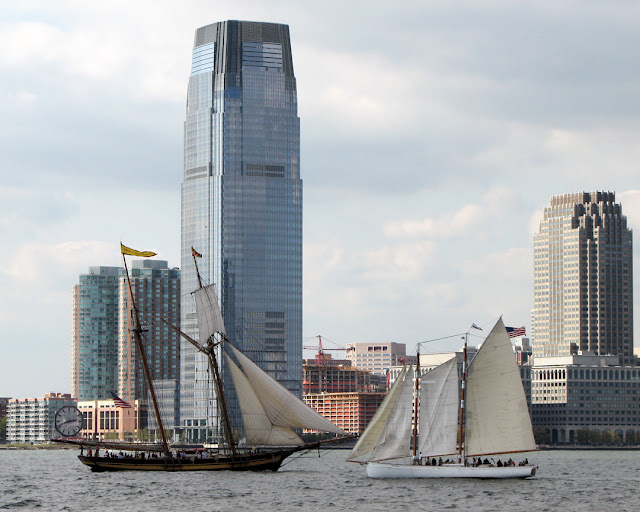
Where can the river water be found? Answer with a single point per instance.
(567, 481)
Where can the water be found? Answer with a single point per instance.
(567, 481)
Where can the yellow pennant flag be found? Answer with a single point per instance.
(195, 253)
(132, 252)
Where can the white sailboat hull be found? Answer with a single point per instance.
(382, 470)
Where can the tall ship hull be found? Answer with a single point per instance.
(382, 470)
(260, 462)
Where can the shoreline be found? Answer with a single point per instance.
(588, 447)
(347, 446)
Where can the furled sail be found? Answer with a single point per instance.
(258, 428)
(209, 315)
(497, 417)
(281, 407)
(374, 434)
(439, 408)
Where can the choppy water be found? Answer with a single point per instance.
(567, 481)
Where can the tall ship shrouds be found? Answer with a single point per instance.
(454, 434)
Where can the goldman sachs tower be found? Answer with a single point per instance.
(242, 207)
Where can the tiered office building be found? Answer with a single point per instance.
(583, 375)
(242, 207)
(583, 278)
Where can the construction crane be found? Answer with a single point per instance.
(320, 357)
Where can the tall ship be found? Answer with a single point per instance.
(456, 432)
(270, 412)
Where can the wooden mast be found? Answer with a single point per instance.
(137, 334)
(462, 398)
(213, 363)
(416, 390)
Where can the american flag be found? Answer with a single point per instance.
(119, 402)
(515, 332)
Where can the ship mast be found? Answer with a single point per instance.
(462, 398)
(209, 349)
(137, 334)
(416, 391)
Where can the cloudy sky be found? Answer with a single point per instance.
(433, 135)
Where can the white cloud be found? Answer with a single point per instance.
(42, 264)
(468, 220)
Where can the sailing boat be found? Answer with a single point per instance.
(487, 418)
(269, 411)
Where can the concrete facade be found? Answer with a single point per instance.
(32, 420)
(583, 278)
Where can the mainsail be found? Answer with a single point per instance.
(497, 417)
(439, 407)
(395, 409)
(258, 428)
(209, 315)
(263, 399)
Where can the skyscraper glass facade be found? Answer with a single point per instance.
(242, 206)
(94, 333)
(583, 278)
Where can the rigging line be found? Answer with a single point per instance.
(470, 334)
(303, 455)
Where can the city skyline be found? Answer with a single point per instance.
(428, 156)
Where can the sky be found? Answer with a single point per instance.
(433, 134)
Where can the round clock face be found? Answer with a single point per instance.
(68, 421)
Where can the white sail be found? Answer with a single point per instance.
(496, 417)
(397, 432)
(374, 433)
(209, 315)
(281, 407)
(258, 428)
(439, 409)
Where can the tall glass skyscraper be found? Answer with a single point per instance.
(242, 206)
(583, 278)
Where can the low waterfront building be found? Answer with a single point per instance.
(4, 404)
(352, 412)
(104, 420)
(378, 357)
(32, 420)
(345, 395)
(576, 393)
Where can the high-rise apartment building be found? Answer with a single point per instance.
(242, 206)
(94, 334)
(156, 290)
(583, 278)
(104, 359)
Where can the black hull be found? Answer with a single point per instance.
(258, 462)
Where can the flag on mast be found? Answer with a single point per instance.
(132, 252)
(195, 253)
(515, 332)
